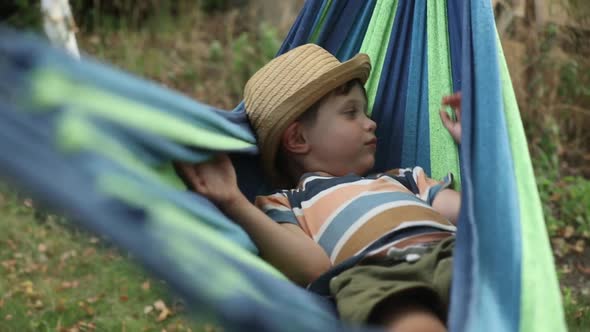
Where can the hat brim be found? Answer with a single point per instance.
(358, 67)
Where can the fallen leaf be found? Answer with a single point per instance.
(159, 305)
(146, 285)
(8, 317)
(27, 287)
(123, 298)
(69, 284)
(28, 203)
(148, 309)
(1, 303)
(163, 315)
(163, 309)
(92, 299)
(579, 246)
(42, 247)
(38, 304)
(568, 232)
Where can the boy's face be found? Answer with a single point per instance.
(342, 139)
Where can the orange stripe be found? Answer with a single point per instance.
(323, 208)
(385, 222)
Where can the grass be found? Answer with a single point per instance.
(58, 278)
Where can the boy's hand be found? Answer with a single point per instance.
(214, 179)
(454, 127)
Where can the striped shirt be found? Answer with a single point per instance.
(353, 215)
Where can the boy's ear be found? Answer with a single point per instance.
(294, 140)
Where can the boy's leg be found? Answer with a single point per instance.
(407, 313)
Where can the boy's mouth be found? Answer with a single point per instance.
(373, 141)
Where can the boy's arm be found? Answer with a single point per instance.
(448, 203)
(285, 246)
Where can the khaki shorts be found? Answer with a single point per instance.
(359, 290)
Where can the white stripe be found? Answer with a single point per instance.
(297, 211)
(366, 217)
(311, 178)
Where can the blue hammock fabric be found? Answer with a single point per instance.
(105, 140)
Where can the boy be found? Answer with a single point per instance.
(309, 113)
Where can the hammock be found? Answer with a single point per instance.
(96, 143)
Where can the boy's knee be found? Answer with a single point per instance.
(414, 319)
(409, 312)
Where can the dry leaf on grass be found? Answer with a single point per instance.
(28, 203)
(579, 246)
(568, 232)
(163, 309)
(42, 247)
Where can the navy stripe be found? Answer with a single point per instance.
(455, 20)
(282, 216)
(356, 210)
(356, 36)
(417, 67)
(390, 105)
(315, 187)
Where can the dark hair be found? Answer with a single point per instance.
(309, 117)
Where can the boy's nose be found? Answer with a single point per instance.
(371, 125)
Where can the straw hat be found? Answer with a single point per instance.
(290, 84)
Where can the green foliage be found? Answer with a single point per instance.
(249, 52)
(21, 14)
(577, 310)
(574, 81)
(209, 6)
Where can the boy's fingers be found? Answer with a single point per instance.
(453, 100)
(446, 119)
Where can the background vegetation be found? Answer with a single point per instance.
(55, 277)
